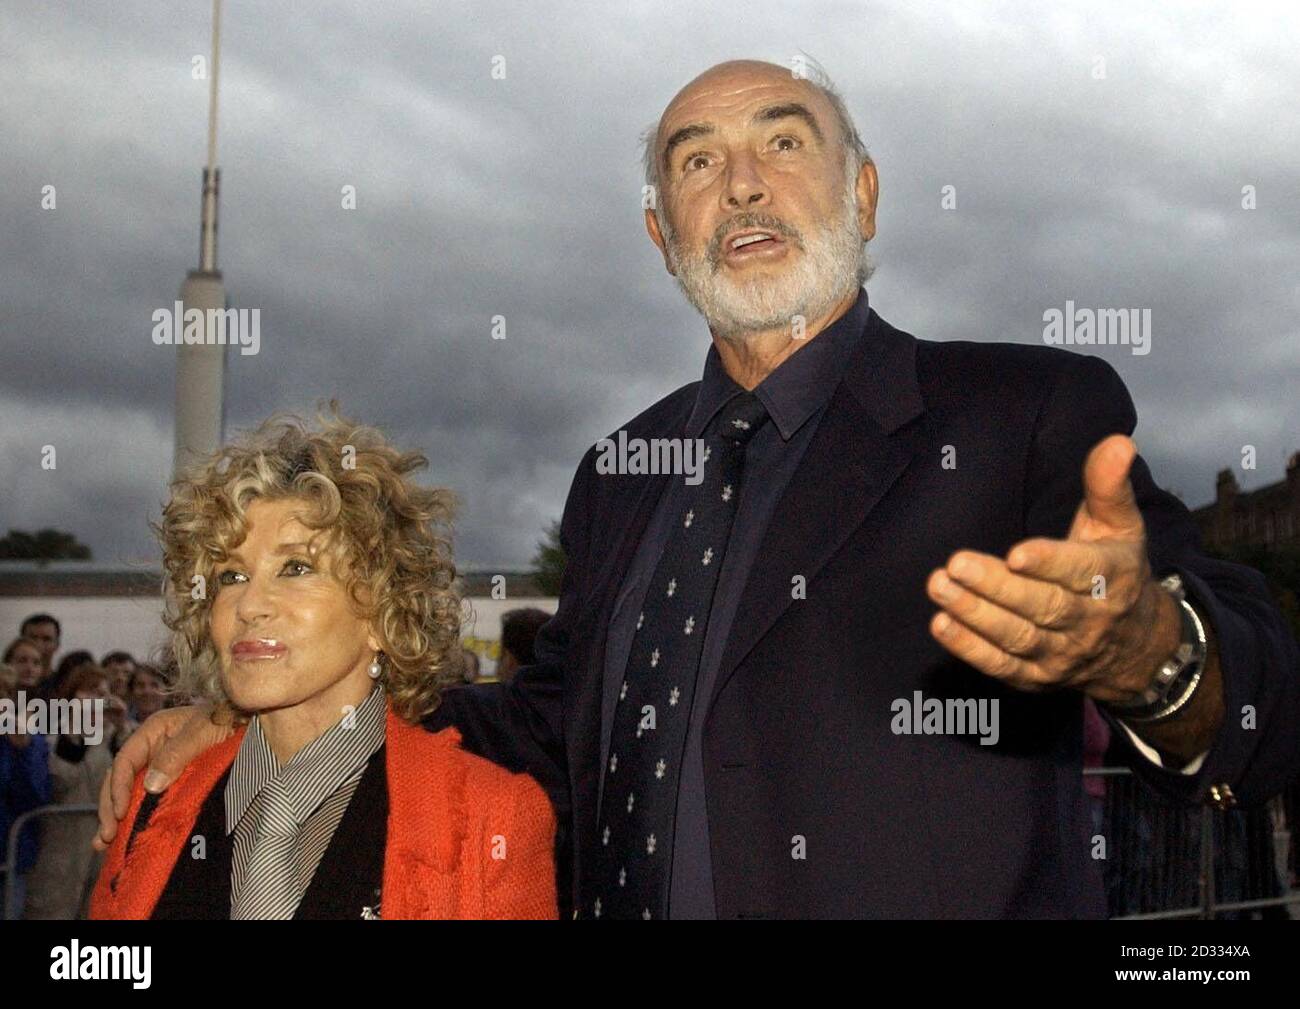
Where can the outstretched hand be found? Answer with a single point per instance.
(1081, 612)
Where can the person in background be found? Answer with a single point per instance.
(24, 786)
(28, 662)
(119, 666)
(47, 633)
(52, 686)
(518, 632)
(469, 665)
(59, 884)
(146, 692)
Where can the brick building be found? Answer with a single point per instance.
(1268, 516)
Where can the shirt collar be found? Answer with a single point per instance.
(798, 387)
(316, 771)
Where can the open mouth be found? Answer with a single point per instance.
(754, 243)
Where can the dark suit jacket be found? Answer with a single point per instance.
(799, 753)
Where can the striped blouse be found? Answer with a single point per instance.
(321, 779)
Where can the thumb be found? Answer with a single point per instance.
(1108, 499)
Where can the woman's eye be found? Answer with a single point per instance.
(792, 140)
(227, 577)
(694, 158)
(296, 567)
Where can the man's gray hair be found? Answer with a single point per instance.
(855, 151)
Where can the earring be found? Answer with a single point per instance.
(375, 667)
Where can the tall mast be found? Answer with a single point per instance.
(200, 367)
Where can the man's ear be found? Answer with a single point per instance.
(867, 191)
(652, 229)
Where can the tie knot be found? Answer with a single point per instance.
(741, 417)
(279, 815)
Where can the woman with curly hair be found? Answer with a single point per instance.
(309, 589)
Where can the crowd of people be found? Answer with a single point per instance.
(54, 865)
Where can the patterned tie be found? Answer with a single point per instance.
(648, 738)
(270, 885)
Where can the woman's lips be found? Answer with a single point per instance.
(261, 648)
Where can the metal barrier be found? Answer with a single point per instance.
(1167, 861)
(11, 857)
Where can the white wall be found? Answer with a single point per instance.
(98, 624)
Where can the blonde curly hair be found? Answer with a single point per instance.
(393, 535)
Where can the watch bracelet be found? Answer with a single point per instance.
(1166, 707)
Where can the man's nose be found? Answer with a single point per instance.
(744, 188)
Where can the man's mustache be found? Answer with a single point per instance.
(751, 221)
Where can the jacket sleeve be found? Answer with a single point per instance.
(520, 726)
(30, 786)
(520, 875)
(1257, 750)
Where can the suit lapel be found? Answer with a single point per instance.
(637, 497)
(348, 875)
(862, 445)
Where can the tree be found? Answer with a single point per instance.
(43, 545)
(548, 563)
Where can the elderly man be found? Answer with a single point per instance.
(842, 674)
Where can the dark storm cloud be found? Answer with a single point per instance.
(521, 198)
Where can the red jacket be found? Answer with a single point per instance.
(466, 838)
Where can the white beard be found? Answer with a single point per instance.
(832, 262)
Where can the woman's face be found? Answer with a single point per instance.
(119, 676)
(146, 694)
(26, 661)
(283, 625)
(93, 691)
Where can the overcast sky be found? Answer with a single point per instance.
(1098, 153)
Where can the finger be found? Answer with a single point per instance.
(1071, 565)
(1008, 631)
(1045, 603)
(196, 734)
(133, 757)
(968, 646)
(1107, 491)
(107, 820)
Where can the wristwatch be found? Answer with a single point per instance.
(1176, 680)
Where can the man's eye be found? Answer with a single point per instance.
(694, 158)
(296, 567)
(793, 140)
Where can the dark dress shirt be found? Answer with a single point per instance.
(795, 394)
